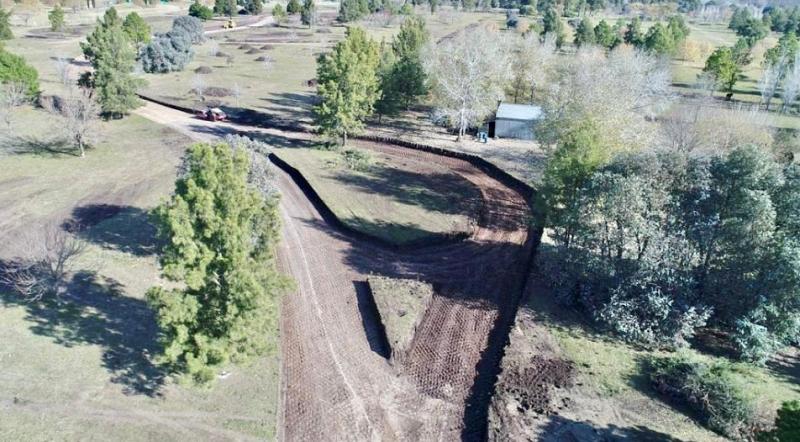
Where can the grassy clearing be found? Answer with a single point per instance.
(82, 368)
(401, 304)
(613, 390)
(399, 203)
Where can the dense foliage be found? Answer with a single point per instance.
(137, 29)
(56, 18)
(221, 235)
(112, 54)
(403, 79)
(654, 245)
(787, 424)
(14, 69)
(200, 11)
(5, 25)
(172, 51)
(709, 391)
(347, 84)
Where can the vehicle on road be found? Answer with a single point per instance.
(212, 114)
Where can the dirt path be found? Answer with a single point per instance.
(335, 385)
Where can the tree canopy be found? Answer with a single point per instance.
(347, 84)
(221, 235)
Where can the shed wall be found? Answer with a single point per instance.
(517, 129)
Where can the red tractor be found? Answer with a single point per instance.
(212, 114)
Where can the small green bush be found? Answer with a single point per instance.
(708, 390)
(787, 424)
(14, 69)
(356, 159)
(201, 11)
(56, 17)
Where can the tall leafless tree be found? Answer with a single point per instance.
(791, 84)
(50, 253)
(81, 114)
(12, 95)
(468, 74)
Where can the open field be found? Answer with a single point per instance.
(82, 368)
(398, 201)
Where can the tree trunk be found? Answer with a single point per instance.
(344, 138)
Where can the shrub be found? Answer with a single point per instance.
(253, 7)
(787, 424)
(511, 20)
(358, 160)
(200, 11)
(14, 69)
(192, 26)
(172, 51)
(56, 17)
(293, 7)
(278, 13)
(167, 53)
(5, 25)
(137, 29)
(203, 70)
(708, 390)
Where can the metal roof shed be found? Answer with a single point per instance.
(517, 120)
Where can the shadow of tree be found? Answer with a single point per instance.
(29, 144)
(560, 429)
(124, 228)
(94, 311)
(438, 192)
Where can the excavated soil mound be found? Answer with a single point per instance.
(532, 384)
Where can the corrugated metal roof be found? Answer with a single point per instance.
(519, 111)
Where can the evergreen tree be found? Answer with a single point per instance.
(659, 40)
(308, 13)
(221, 236)
(198, 10)
(409, 75)
(347, 84)
(226, 7)
(350, 10)
(5, 25)
(605, 35)
(722, 67)
(584, 35)
(552, 24)
(633, 34)
(293, 7)
(433, 4)
(110, 51)
(137, 29)
(56, 17)
(678, 28)
(278, 13)
(14, 69)
(388, 103)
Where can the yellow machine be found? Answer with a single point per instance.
(230, 24)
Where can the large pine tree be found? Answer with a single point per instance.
(347, 84)
(221, 235)
(113, 57)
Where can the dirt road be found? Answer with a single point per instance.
(336, 385)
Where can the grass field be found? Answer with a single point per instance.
(82, 368)
(396, 202)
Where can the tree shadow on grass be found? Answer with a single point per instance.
(445, 193)
(32, 145)
(560, 429)
(95, 311)
(124, 228)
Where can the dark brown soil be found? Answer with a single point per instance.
(531, 384)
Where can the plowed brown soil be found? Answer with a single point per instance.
(336, 384)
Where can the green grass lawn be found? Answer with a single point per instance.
(83, 368)
(396, 202)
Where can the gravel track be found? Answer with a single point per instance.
(335, 383)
